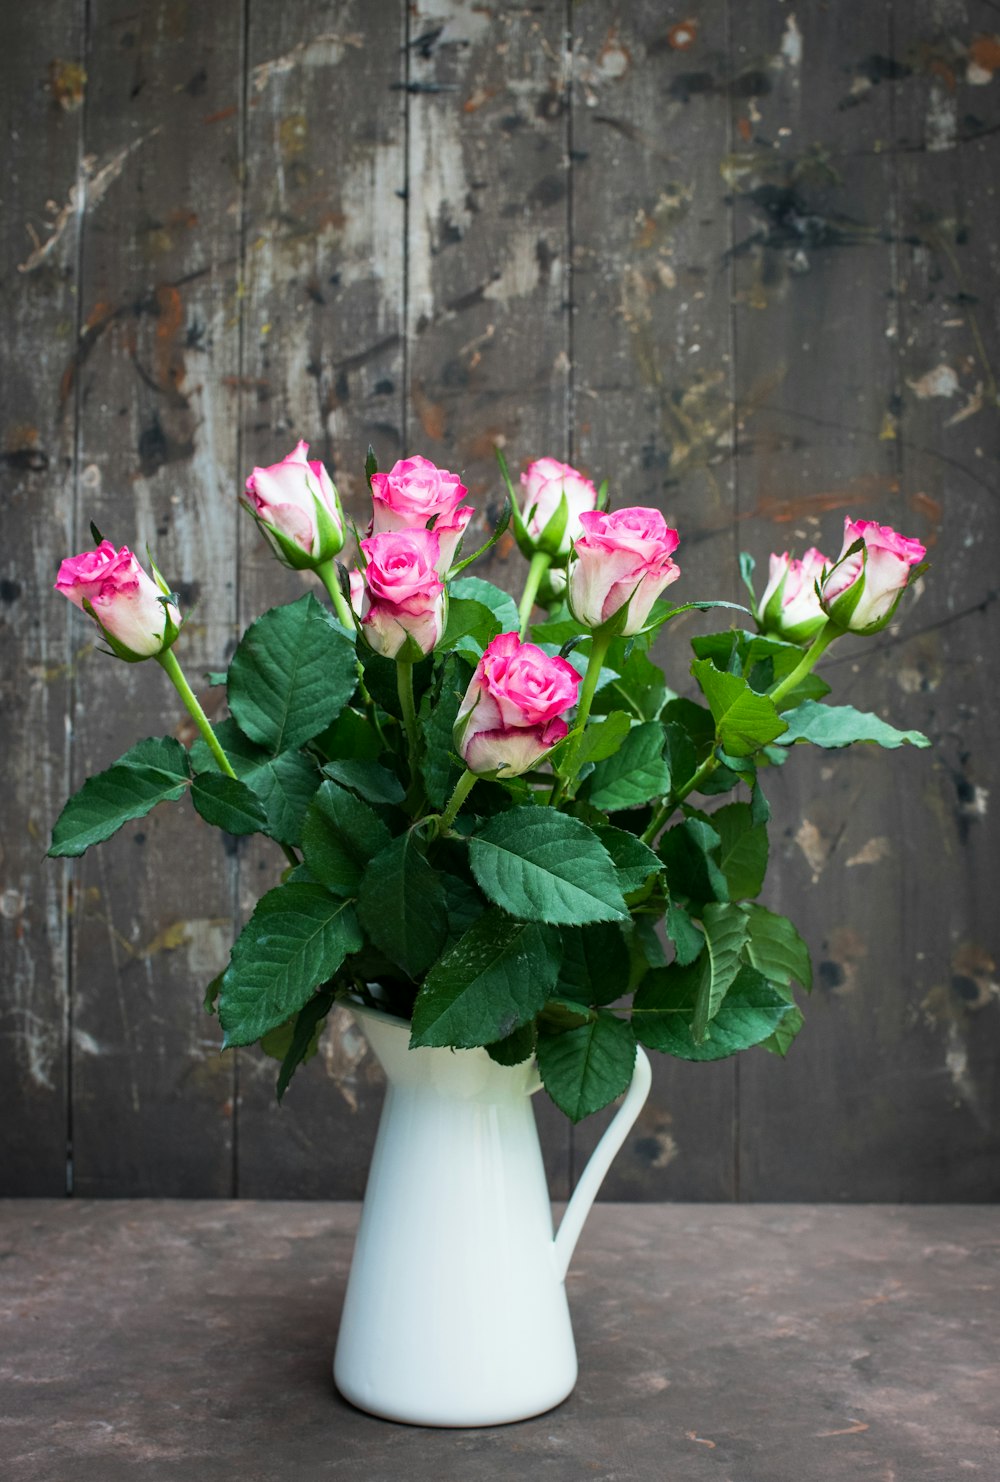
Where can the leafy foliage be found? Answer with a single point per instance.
(604, 895)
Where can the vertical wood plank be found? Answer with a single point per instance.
(652, 409)
(323, 360)
(880, 1086)
(487, 282)
(151, 373)
(938, 1135)
(40, 63)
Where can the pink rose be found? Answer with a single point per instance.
(621, 558)
(513, 710)
(449, 529)
(555, 496)
(404, 597)
(298, 509)
(860, 592)
(130, 609)
(413, 492)
(790, 606)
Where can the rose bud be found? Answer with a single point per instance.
(861, 591)
(357, 584)
(555, 496)
(790, 606)
(297, 509)
(413, 492)
(622, 560)
(403, 605)
(513, 711)
(135, 615)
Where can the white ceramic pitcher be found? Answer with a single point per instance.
(456, 1310)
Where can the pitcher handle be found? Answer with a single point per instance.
(599, 1162)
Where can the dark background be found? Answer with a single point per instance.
(737, 257)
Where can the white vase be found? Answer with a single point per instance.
(456, 1311)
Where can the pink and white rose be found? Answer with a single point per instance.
(514, 709)
(789, 607)
(414, 491)
(555, 496)
(131, 610)
(403, 598)
(449, 530)
(298, 509)
(621, 558)
(861, 591)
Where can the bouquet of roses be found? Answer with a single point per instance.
(490, 823)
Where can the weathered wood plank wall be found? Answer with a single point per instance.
(742, 260)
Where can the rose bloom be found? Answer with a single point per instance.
(403, 595)
(789, 607)
(513, 711)
(545, 482)
(413, 492)
(621, 558)
(298, 508)
(861, 591)
(126, 602)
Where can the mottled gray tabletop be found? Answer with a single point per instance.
(768, 1343)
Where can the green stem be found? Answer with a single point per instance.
(677, 797)
(540, 563)
(327, 573)
(820, 644)
(404, 686)
(463, 787)
(599, 645)
(175, 674)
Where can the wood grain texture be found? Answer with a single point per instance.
(152, 1098)
(39, 646)
(741, 261)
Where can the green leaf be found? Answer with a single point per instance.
(463, 903)
(840, 725)
(295, 940)
(351, 737)
(488, 545)
(780, 1041)
(227, 803)
(540, 865)
(638, 682)
(402, 906)
(690, 852)
(374, 783)
(594, 965)
(726, 931)
(602, 738)
(635, 773)
(339, 837)
(151, 772)
(292, 674)
(743, 849)
(776, 949)
(469, 619)
(688, 939)
(633, 860)
(495, 978)
(584, 1068)
(285, 784)
(474, 589)
(516, 1047)
(304, 1040)
(438, 712)
(664, 1004)
(744, 720)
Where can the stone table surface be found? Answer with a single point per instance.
(767, 1343)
